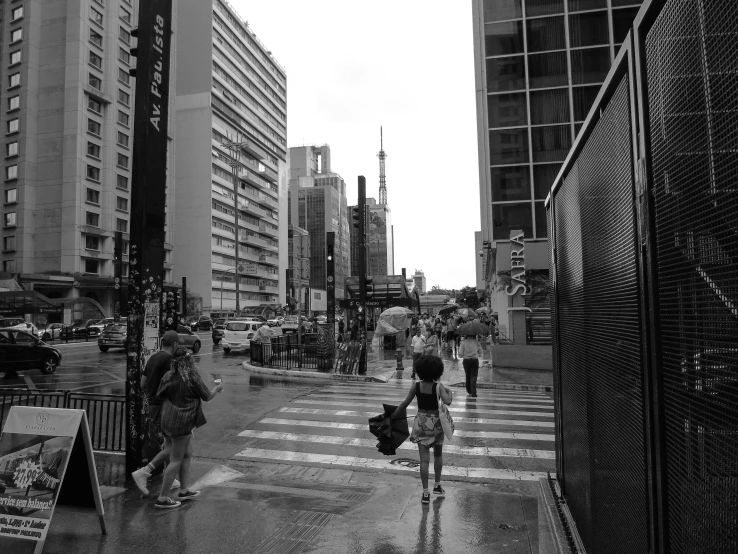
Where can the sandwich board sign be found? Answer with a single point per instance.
(46, 460)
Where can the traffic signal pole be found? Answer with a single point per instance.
(362, 271)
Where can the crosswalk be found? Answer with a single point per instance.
(500, 435)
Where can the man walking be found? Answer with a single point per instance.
(418, 344)
(451, 335)
(156, 366)
(470, 351)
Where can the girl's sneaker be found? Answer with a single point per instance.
(438, 490)
(167, 504)
(426, 498)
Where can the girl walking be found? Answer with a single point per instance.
(427, 432)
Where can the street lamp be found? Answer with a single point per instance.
(234, 149)
(221, 287)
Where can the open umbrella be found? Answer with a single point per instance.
(451, 308)
(467, 313)
(474, 328)
(383, 328)
(483, 310)
(391, 433)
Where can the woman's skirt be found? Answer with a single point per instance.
(427, 430)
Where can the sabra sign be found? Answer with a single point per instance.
(517, 264)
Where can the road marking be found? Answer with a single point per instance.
(403, 394)
(460, 393)
(413, 409)
(29, 382)
(333, 401)
(95, 385)
(71, 344)
(371, 443)
(457, 432)
(405, 384)
(456, 419)
(369, 463)
(113, 375)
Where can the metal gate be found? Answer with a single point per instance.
(643, 220)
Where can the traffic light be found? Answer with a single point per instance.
(356, 217)
(170, 317)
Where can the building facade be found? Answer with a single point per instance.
(538, 68)
(419, 280)
(67, 116)
(380, 241)
(299, 266)
(233, 94)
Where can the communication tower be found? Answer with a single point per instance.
(382, 177)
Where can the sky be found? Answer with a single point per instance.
(406, 65)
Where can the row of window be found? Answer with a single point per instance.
(503, 10)
(10, 219)
(549, 106)
(98, 17)
(92, 219)
(93, 197)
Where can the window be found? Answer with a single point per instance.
(93, 150)
(92, 219)
(96, 38)
(541, 223)
(11, 172)
(11, 149)
(94, 81)
(123, 76)
(506, 74)
(92, 242)
(14, 80)
(590, 65)
(121, 203)
(95, 61)
(503, 38)
(9, 266)
(124, 56)
(94, 105)
(16, 14)
(121, 181)
(11, 196)
(93, 127)
(621, 23)
(93, 196)
(125, 15)
(510, 183)
(507, 110)
(511, 217)
(545, 33)
(96, 16)
(543, 178)
(10, 220)
(93, 172)
(124, 98)
(509, 146)
(589, 29)
(122, 161)
(547, 70)
(16, 35)
(15, 57)
(584, 97)
(14, 102)
(121, 225)
(124, 35)
(9, 244)
(124, 118)
(91, 266)
(550, 144)
(500, 10)
(123, 139)
(13, 125)
(543, 7)
(549, 106)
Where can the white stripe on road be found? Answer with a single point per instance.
(454, 409)
(386, 399)
(457, 432)
(456, 419)
(459, 393)
(29, 382)
(368, 463)
(369, 443)
(405, 384)
(403, 394)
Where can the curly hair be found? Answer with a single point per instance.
(429, 368)
(183, 364)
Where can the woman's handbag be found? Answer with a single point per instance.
(447, 423)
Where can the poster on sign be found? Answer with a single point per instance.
(45, 459)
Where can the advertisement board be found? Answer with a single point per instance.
(318, 300)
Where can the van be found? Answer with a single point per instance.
(238, 334)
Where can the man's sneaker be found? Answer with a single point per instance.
(187, 495)
(438, 490)
(140, 477)
(167, 504)
(426, 498)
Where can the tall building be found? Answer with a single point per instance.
(419, 280)
(379, 239)
(233, 94)
(299, 265)
(317, 199)
(539, 65)
(67, 118)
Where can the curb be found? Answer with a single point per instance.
(276, 372)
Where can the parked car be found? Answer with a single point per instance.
(102, 323)
(29, 328)
(238, 334)
(52, 331)
(276, 322)
(188, 338)
(10, 321)
(290, 325)
(115, 335)
(20, 350)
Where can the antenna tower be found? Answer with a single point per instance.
(382, 177)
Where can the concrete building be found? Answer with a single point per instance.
(538, 68)
(299, 265)
(233, 91)
(380, 241)
(67, 118)
(317, 200)
(419, 280)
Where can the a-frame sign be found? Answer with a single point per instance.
(46, 460)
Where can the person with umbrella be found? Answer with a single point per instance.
(427, 431)
(470, 351)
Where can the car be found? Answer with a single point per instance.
(20, 350)
(218, 328)
(115, 335)
(238, 334)
(30, 328)
(102, 323)
(10, 321)
(290, 324)
(322, 320)
(92, 328)
(52, 331)
(188, 338)
(204, 323)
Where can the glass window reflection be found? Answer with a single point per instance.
(622, 21)
(510, 183)
(503, 38)
(506, 74)
(590, 65)
(508, 146)
(507, 110)
(584, 97)
(547, 70)
(581, 5)
(589, 29)
(500, 10)
(541, 221)
(543, 178)
(551, 144)
(511, 217)
(543, 7)
(546, 33)
(549, 106)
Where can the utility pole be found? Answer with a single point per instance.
(362, 271)
(234, 150)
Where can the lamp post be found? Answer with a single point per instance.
(234, 149)
(221, 287)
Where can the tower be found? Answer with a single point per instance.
(382, 178)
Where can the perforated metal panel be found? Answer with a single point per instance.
(602, 411)
(692, 72)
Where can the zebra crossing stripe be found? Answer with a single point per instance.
(350, 413)
(368, 443)
(483, 393)
(384, 464)
(413, 409)
(393, 398)
(457, 433)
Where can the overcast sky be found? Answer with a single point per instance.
(407, 65)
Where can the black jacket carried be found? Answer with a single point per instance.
(391, 433)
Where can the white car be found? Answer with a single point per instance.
(29, 328)
(238, 334)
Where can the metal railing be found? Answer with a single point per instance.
(285, 354)
(105, 412)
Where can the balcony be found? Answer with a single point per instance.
(254, 180)
(250, 207)
(268, 173)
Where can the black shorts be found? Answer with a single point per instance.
(450, 335)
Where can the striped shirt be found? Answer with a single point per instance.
(182, 409)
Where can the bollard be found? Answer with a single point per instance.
(398, 357)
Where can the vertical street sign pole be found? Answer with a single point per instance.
(330, 241)
(118, 277)
(184, 298)
(148, 199)
(362, 270)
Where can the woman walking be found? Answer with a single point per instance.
(431, 344)
(427, 431)
(183, 391)
(470, 351)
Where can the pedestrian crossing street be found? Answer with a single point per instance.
(500, 435)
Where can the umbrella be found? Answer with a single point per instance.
(467, 313)
(483, 310)
(474, 328)
(396, 310)
(451, 308)
(383, 328)
(391, 433)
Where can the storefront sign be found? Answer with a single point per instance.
(517, 264)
